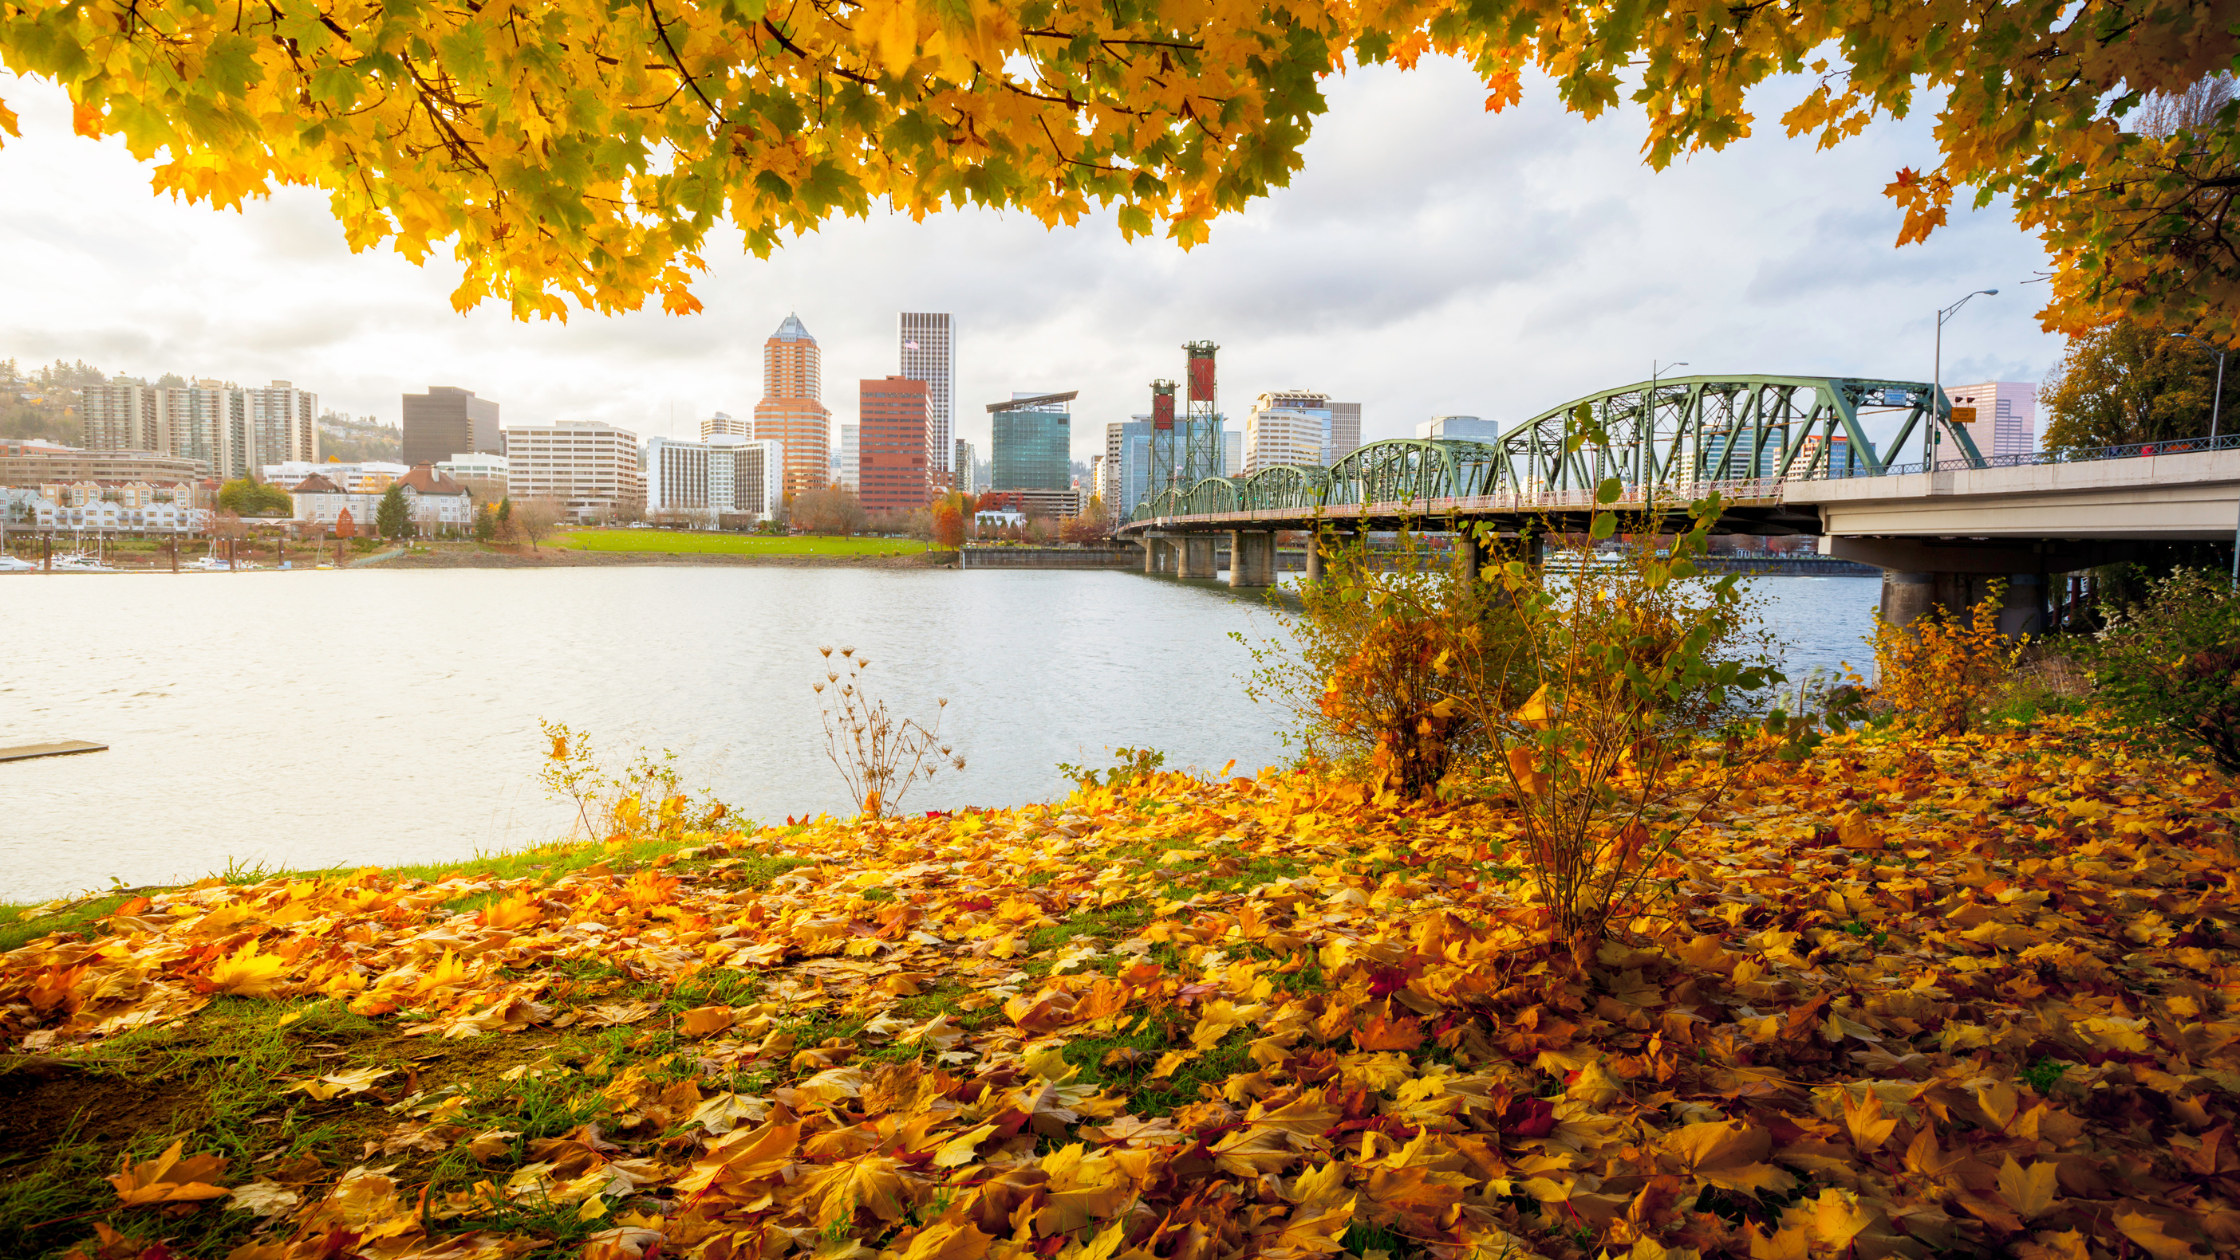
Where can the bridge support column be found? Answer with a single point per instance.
(1196, 557)
(1315, 539)
(1252, 558)
(1910, 595)
(1469, 555)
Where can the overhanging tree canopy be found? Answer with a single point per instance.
(572, 152)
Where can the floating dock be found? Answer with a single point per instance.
(24, 752)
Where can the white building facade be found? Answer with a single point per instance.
(746, 479)
(591, 469)
(126, 507)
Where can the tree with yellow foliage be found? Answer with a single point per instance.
(575, 154)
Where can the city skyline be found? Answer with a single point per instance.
(1461, 264)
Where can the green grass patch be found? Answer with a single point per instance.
(684, 543)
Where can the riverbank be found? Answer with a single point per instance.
(1911, 996)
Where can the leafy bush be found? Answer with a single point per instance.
(1367, 669)
(1627, 671)
(1943, 673)
(2174, 660)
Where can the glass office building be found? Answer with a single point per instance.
(1033, 442)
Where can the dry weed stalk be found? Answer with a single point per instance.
(879, 756)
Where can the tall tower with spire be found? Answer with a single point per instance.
(792, 410)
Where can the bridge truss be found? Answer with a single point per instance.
(1667, 443)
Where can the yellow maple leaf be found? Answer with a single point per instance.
(169, 1179)
(247, 973)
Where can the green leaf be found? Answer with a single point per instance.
(1604, 526)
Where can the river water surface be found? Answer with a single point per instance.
(331, 718)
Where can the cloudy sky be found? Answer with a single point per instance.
(1431, 259)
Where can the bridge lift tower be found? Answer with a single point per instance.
(1201, 433)
(1164, 473)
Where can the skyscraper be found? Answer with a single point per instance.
(847, 462)
(928, 345)
(1033, 441)
(722, 425)
(963, 471)
(448, 421)
(892, 451)
(286, 420)
(1345, 430)
(792, 410)
(2006, 420)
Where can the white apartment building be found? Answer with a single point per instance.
(1299, 426)
(676, 473)
(230, 428)
(2006, 420)
(588, 467)
(1467, 428)
(1284, 435)
(135, 507)
(701, 483)
(746, 477)
(284, 421)
(474, 466)
(847, 462)
(371, 476)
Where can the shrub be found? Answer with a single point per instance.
(2173, 660)
(1940, 672)
(1607, 761)
(1366, 669)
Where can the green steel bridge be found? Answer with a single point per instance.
(1669, 442)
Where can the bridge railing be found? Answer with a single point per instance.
(2079, 455)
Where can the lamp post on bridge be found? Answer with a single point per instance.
(1929, 460)
(2216, 408)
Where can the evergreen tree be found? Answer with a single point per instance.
(393, 520)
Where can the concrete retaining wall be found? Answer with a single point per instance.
(1129, 557)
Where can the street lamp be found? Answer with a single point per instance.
(2215, 408)
(1942, 316)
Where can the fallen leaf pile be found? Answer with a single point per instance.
(1911, 997)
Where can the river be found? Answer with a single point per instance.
(320, 718)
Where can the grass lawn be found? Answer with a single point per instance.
(678, 542)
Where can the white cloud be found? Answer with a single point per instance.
(1430, 258)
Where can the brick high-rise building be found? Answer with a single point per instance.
(792, 411)
(894, 443)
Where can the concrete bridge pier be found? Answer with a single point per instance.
(1920, 575)
(1155, 547)
(1196, 555)
(1316, 565)
(1252, 558)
